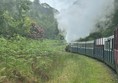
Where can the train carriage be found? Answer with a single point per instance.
(90, 48)
(74, 47)
(99, 48)
(108, 51)
(81, 47)
(104, 49)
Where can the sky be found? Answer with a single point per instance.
(58, 4)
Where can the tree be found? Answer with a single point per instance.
(14, 18)
(43, 15)
(36, 2)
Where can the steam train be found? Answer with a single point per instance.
(103, 49)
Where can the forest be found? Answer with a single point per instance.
(25, 47)
(16, 17)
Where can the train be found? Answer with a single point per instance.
(104, 49)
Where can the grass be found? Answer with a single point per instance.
(31, 61)
(81, 69)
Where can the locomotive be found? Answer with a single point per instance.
(103, 49)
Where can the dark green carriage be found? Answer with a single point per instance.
(109, 52)
(74, 47)
(90, 48)
(99, 49)
(81, 48)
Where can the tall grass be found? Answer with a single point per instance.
(32, 61)
(26, 60)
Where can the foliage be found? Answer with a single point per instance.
(43, 15)
(15, 21)
(25, 60)
(16, 17)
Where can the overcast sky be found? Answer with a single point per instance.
(58, 4)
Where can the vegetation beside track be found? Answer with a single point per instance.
(31, 61)
(81, 69)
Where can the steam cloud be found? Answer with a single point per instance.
(78, 18)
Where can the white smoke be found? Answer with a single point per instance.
(78, 18)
